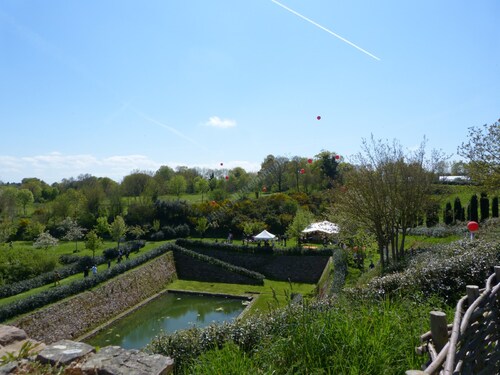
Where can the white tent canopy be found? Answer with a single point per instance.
(323, 226)
(264, 235)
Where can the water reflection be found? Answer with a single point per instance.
(168, 313)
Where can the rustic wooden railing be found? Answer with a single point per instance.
(471, 345)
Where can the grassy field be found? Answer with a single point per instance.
(271, 295)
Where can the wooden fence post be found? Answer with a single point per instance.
(439, 329)
(472, 293)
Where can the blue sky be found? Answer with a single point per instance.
(107, 87)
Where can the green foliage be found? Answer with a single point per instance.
(484, 206)
(442, 270)
(358, 336)
(65, 290)
(250, 249)
(223, 265)
(16, 266)
(26, 351)
(473, 209)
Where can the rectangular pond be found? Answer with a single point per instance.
(169, 312)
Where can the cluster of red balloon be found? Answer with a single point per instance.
(302, 171)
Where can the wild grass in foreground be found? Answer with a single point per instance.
(342, 336)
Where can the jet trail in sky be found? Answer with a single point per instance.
(325, 29)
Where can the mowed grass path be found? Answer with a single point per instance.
(271, 295)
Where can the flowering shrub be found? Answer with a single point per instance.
(444, 270)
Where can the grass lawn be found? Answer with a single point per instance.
(265, 297)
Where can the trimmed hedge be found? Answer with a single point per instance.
(58, 293)
(296, 265)
(252, 249)
(191, 265)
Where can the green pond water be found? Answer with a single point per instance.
(169, 313)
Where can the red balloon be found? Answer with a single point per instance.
(227, 177)
(318, 117)
(309, 161)
(302, 171)
(472, 226)
(337, 157)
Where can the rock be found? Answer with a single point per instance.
(10, 334)
(113, 360)
(64, 352)
(8, 368)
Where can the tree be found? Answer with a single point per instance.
(135, 183)
(44, 241)
(484, 206)
(457, 210)
(201, 226)
(494, 207)
(118, 229)
(482, 150)
(177, 185)
(201, 186)
(272, 171)
(301, 220)
(93, 242)
(386, 192)
(8, 202)
(25, 197)
(473, 208)
(73, 232)
(328, 166)
(448, 214)
(102, 226)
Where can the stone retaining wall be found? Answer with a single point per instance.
(77, 315)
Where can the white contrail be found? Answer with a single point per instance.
(325, 29)
(171, 129)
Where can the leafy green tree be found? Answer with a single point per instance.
(301, 220)
(44, 241)
(102, 226)
(33, 230)
(8, 202)
(135, 183)
(177, 185)
(482, 150)
(8, 228)
(25, 198)
(201, 226)
(136, 231)
(93, 242)
(329, 167)
(118, 229)
(201, 186)
(386, 192)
